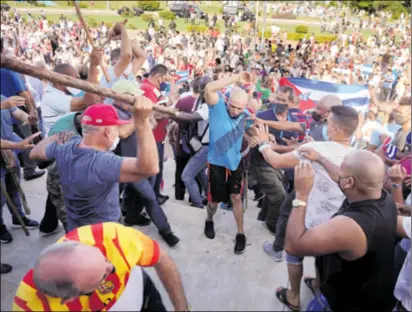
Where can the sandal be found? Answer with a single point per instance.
(281, 295)
(308, 281)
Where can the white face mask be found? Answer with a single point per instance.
(115, 143)
(73, 91)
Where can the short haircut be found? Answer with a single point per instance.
(346, 118)
(288, 90)
(159, 69)
(330, 100)
(61, 287)
(115, 55)
(63, 69)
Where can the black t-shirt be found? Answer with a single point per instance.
(365, 284)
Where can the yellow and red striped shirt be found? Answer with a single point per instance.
(123, 246)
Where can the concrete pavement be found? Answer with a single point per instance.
(214, 277)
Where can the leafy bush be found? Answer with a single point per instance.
(221, 10)
(131, 26)
(91, 22)
(129, 14)
(83, 5)
(319, 38)
(301, 29)
(109, 25)
(266, 35)
(197, 29)
(149, 5)
(284, 16)
(167, 15)
(146, 17)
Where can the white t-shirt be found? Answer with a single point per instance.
(325, 198)
(132, 297)
(203, 111)
(54, 105)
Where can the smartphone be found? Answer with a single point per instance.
(406, 163)
(249, 123)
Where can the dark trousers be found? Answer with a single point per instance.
(141, 194)
(180, 188)
(152, 300)
(28, 164)
(285, 210)
(156, 181)
(271, 182)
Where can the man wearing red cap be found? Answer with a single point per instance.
(89, 173)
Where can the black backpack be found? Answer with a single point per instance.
(190, 138)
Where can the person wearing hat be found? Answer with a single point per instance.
(89, 172)
(138, 194)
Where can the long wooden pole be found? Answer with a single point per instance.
(89, 37)
(30, 70)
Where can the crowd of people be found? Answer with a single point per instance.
(331, 182)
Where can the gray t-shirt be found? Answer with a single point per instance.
(89, 180)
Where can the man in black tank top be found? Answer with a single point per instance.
(355, 249)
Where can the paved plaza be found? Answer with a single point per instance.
(213, 276)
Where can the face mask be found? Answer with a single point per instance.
(115, 143)
(163, 86)
(325, 132)
(280, 108)
(73, 91)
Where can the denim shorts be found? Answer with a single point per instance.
(294, 260)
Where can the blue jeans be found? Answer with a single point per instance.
(12, 191)
(196, 167)
(156, 181)
(142, 194)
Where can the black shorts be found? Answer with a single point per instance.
(223, 182)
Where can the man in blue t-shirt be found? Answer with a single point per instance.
(226, 129)
(89, 172)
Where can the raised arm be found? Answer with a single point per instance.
(298, 127)
(146, 163)
(126, 52)
(212, 88)
(81, 103)
(139, 57)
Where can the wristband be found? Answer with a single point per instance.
(396, 185)
(264, 146)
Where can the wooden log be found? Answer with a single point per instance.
(106, 42)
(89, 37)
(40, 73)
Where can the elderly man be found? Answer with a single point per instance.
(89, 173)
(354, 249)
(226, 129)
(98, 268)
(325, 197)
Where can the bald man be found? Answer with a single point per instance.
(227, 123)
(59, 100)
(99, 268)
(355, 249)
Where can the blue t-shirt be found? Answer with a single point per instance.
(226, 134)
(11, 83)
(89, 181)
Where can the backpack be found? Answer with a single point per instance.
(190, 137)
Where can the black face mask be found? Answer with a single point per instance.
(280, 108)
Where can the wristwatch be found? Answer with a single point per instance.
(298, 203)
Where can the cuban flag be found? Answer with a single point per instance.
(366, 69)
(311, 91)
(181, 76)
(389, 149)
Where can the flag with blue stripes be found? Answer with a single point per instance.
(182, 76)
(389, 149)
(311, 91)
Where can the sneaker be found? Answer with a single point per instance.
(44, 232)
(5, 236)
(275, 255)
(30, 224)
(210, 229)
(170, 238)
(240, 244)
(34, 175)
(270, 229)
(5, 268)
(141, 220)
(197, 206)
(226, 206)
(162, 199)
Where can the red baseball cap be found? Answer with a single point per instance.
(102, 115)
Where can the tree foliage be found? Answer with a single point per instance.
(374, 6)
